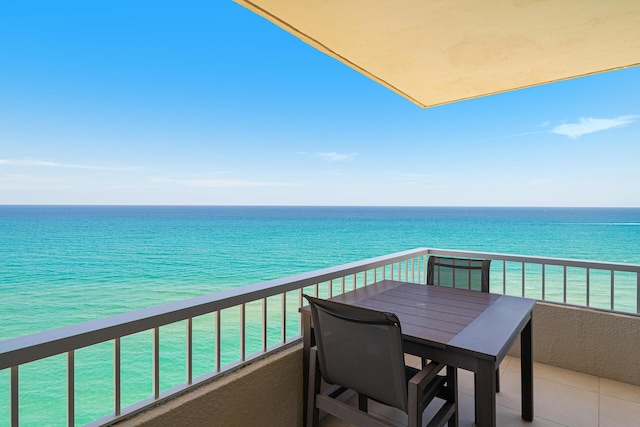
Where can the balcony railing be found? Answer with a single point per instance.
(265, 317)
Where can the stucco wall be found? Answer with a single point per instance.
(264, 393)
(586, 340)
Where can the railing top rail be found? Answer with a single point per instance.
(569, 262)
(37, 346)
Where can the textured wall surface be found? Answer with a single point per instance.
(265, 393)
(586, 340)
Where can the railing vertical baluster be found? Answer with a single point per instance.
(117, 386)
(613, 294)
(454, 274)
(424, 268)
(375, 275)
(300, 302)
(638, 292)
(406, 270)
(15, 407)
(71, 389)
(355, 282)
(316, 290)
(284, 317)
(243, 311)
(384, 272)
(469, 276)
(523, 276)
(365, 278)
(543, 281)
(331, 288)
(218, 349)
(189, 351)
(342, 285)
(564, 286)
(504, 276)
(156, 362)
(391, 272)
(413, 270)
(264, 322)
(588, 287)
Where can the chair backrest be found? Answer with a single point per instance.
(360, 349)
(459, 272)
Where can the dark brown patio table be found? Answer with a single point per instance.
(463, 328)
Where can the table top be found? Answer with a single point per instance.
(482, 323)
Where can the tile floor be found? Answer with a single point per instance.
(562, 398)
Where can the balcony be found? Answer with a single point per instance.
(586, 343)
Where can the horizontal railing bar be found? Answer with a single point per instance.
(40, 345)
(599, 265)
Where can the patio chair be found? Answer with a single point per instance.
(460, 273)
(361, 350)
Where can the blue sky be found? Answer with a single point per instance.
(206, 103)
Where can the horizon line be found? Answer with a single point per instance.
(314, 206)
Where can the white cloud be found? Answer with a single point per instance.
(516, 135)
(48, 164)
(590, 125)
(332, 156)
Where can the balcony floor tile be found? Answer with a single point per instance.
(620, 390)
(562, 398)
(618, 412)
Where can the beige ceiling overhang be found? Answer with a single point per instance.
(434, 52)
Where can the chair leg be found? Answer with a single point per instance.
(313, 414)
(452, 394)
(363, 403)
(415, 408)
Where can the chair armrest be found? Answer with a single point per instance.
(426, 375)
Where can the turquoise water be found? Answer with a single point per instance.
(64, 265)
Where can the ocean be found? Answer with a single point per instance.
(60, 265)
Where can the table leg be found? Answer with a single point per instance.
(485, 391)
(526, 371)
